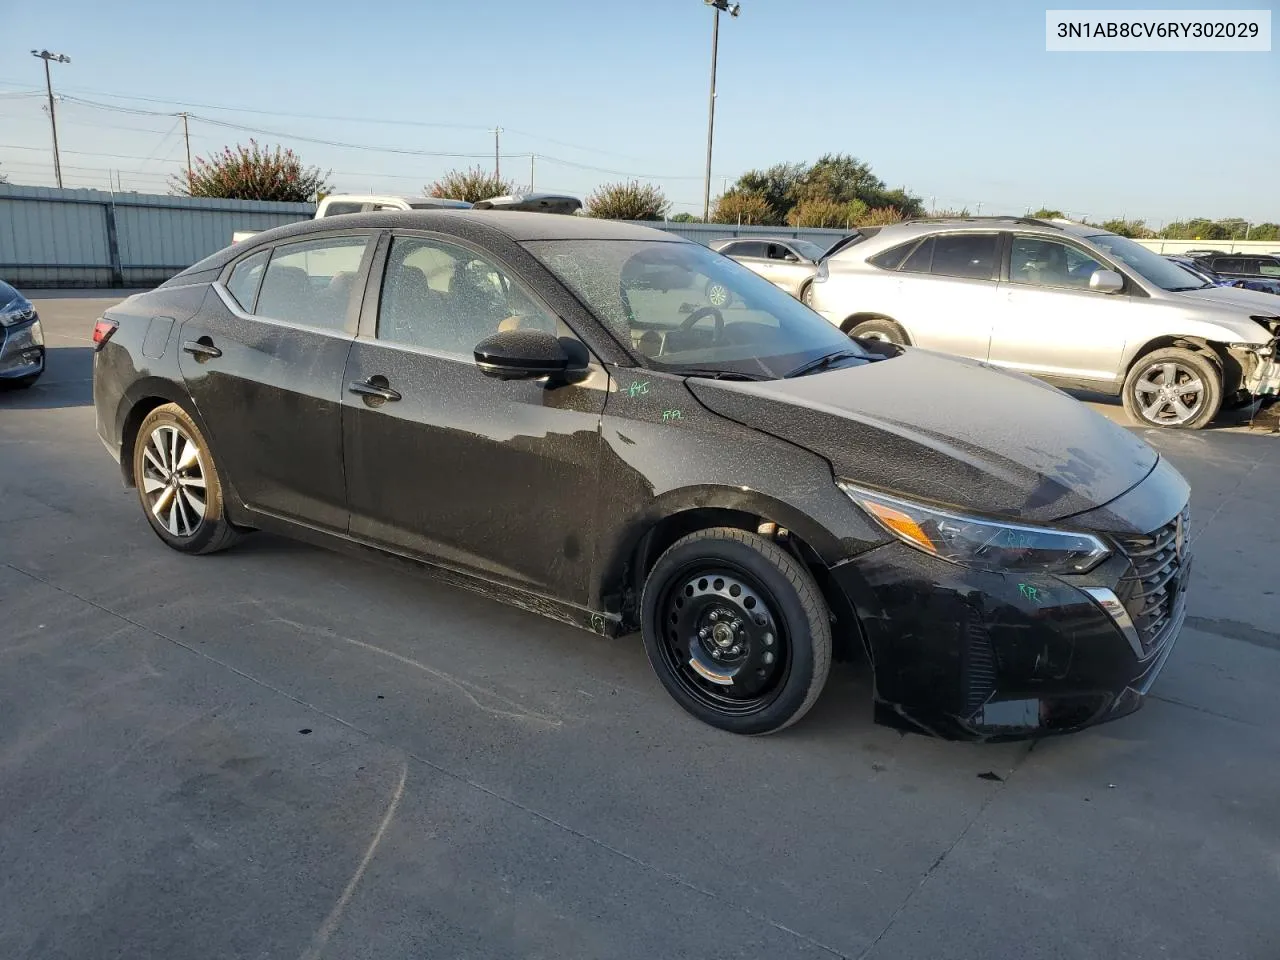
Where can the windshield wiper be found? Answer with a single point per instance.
(713, 373)
(823, 362)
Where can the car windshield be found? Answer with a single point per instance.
(807, 249)
(683, 308)
(1152, 266)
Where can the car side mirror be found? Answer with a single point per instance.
(1106, 281)
(530, 355)
(791, 258)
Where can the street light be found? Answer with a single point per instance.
(46, 56)
(733, 9)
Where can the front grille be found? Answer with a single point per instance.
(1152, 588)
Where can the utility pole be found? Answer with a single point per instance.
(46, 56)
(533, 177)
(497, 153)
(733, 9)
(186, 135)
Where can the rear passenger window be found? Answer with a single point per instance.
(244, 279)
(921, 258)
(310, 283)
(892, 258)
(750, 249)
(971, 256)
(1230, 265)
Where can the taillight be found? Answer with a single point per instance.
(102, 331)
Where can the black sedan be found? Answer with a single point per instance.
(21, 340)
(546, 408)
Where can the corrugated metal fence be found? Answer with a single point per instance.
(94, 238)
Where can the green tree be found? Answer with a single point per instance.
(1265, 231)
(827, 213)
(778, 185)
(1128, 228)
(834, 178)
(471, 185)
(881, 217)
(627, 201)
(251, 173)
(739, 206)
(1044, 213)
(685, 217)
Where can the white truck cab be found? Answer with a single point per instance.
(336, 204)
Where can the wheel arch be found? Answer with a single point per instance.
(1213, 350)
(682, 512)
(853, 320)
(138, 401)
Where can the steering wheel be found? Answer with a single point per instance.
(701, 312)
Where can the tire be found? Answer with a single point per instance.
(880, 328)
(802, 294)
(725, 593)
(162, 439)
(1148, 403)
(717, 294)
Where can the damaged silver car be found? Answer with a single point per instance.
(1067, 302)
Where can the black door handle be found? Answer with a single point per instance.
(202, 349)
(374, 390)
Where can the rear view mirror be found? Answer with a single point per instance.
(1106, 281)
(529, 355)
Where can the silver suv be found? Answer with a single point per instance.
(1063, 301)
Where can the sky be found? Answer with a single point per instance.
(958, 102)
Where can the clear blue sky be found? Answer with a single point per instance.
(957, 101)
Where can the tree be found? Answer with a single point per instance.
(1128, 228)
(627, 201)
(1265, 231)
(826, 213)
(252, 173)
(471, 185)
(685, 217)
(835, 178)
(1044, 213)
(738, 206)
(881, 217)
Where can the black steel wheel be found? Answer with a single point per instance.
(736, 630)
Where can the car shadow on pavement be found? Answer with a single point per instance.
(67, 381)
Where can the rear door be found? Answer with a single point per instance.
(948, 292)
(498, 477)
(263, 361)
(1049, 323)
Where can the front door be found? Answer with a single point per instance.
(263, 361)
(498, 477)
(1049, 323)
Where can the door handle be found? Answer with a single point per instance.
(202, 349)
(374, 390)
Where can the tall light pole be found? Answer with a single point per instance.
(46, 56)
(733, 9)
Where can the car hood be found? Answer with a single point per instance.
(1256, 301)
(947, 430)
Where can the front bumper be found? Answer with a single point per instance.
(22, 350)
(968, 654)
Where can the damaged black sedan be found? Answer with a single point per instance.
(548, 409)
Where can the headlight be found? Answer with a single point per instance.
(15, 312)
(985, 544)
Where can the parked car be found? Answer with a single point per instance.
(784, 261)
(341, 204)
(1241, 265)
(1263, 284)
(1070, 303)
(504, 398)
(21, 340)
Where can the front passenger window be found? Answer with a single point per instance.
(444, 297)
(1050, 263)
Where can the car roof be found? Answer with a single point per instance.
(906, 230)
(513, 225)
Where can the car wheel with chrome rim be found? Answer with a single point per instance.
(1173, 387)
(737, 630)
(178, 483)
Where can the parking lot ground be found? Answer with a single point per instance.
(281, 751)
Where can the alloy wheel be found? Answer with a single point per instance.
(718, 294)
(173, 480)
(722, 640)
(1169, 393)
